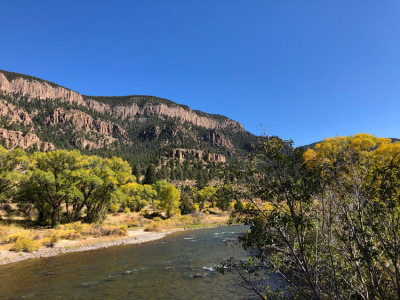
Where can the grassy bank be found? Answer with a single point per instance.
(22, 240)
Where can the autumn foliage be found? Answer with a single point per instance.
(330, 219)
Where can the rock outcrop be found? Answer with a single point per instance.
(41, 90)
(218, 140)
(14, 114)
(172, 131)
(181, 113)
(182, 154)
(14, 139)
(85, 122)
(86, 144)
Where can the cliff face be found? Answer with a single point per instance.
(13, 113)
(41, 90)
(14, 139)
(181, 113)
(182, 154)
(83, 121)
(218, 139)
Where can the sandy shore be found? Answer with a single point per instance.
(66, 246)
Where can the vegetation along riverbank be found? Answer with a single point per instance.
(62, 201)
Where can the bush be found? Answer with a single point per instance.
(114, 207)
(26, 244)
(50, 241)
(99, 230)
(131, 222)
(153, 226)
(67, 234)
(12, 238)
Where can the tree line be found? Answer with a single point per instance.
(64, 186)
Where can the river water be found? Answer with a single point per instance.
(164, 269)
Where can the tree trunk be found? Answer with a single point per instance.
(54, 217)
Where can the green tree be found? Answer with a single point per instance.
(186, 206)
(137, 196)
(150, 176)
(114, 173)
(207, 197)
(225, 195)
(50, 182)
(136, 172)
(169, 200)
(201, 179)
(12, 165)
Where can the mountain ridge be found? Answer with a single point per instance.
(125, 100)
(139, 128)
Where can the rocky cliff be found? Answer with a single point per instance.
(182, 154)
(182, 113)
(13, 113)
(12, 139)
(83, 121)
(41, 89)
(218, 140)
(38, 89)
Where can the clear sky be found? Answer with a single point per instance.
(302, 69)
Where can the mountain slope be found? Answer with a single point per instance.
(141, 129)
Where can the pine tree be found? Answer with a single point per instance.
(150, 177)
(136, 172)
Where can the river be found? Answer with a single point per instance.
(164, 269)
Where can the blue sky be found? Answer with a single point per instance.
(302, 69)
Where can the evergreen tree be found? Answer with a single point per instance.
(201, 180)
(136, 172)
(150, 176)
(186, 205)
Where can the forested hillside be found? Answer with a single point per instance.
(181, 143)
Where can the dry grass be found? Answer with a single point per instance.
(21, 239)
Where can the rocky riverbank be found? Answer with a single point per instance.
(65, 246)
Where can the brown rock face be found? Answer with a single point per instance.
(183, 154)
(41, 90)
(170, 131)
(183, 114)
(85, 122)
(84, 143)
(14, 114)
(14, 139)
(218, 139)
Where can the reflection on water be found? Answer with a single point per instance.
(180, 266)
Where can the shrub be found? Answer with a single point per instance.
(114, 207)
(67, 234)
(153, 226)
(197, 220)
(26, 244)
(12, 238)
(99, 230)
(131, 222)
(77, 226)
(50, 241)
